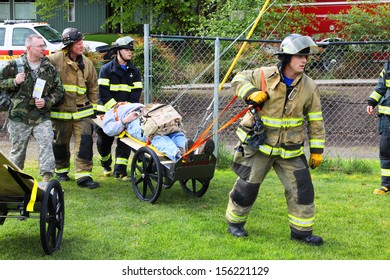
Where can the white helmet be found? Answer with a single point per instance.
(297, 44)
(124, 43)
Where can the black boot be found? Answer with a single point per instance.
(88, 183)
(237, 231)
(309, 239)
(62, 177)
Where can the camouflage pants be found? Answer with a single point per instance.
(19, 135)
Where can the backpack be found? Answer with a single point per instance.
(160, 119)
(5, 97)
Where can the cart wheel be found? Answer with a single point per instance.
(52, 217)
(146, 175)
(192, 187)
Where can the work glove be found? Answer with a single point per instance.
(315, 160)
(257, 136)
(257, 97)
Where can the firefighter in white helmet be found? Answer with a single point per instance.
(119, 81)
(284, 97)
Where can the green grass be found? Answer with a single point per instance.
(110, 223)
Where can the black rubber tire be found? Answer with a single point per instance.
(146, 175)
(52, 217)
(191, 186)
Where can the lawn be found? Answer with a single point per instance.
(110, 223)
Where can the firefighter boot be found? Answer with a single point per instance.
(382, 191)
(107, 171)
(309, 239)
(63, 177)
(209, 147)
(237, 231)
(88, 183)
(188, 146)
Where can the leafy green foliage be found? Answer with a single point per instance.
(232, 17)
(194, 17)
(168, 16)
(364, 20)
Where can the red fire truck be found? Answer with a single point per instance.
(323, 8)
(323, 27)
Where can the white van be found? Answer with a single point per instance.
(14, 32)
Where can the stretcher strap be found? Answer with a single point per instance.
(202, 138)
(147, 143)
(17, 174)
(30, 205)
(122, 134)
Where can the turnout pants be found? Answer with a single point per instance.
(384, 156)
(252, 166)
(82, 130)
(122, 152)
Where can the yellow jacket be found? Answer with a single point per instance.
(81, 88)
(284, 116)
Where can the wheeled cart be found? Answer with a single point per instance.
(151, 170)
(22, 198)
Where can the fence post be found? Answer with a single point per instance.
(146, 64)
(216, 91)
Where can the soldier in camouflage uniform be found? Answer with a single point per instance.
(29, 116)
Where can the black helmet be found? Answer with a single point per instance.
(71, 35)
(124, 43)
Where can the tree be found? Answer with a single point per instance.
(232, 17)
(364, 20)
(223, 18)
(164, 16)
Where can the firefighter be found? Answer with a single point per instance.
(74, 115)
(287, 97)
(119, 81)
(381, 96)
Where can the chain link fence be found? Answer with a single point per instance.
(181, 72)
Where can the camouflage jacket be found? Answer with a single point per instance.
(23, 108)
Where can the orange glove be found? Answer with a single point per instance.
(257, 97)
(315, 160)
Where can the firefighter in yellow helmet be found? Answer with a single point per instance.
(74, 115)
(282, 98)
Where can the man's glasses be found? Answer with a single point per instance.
(40, 46)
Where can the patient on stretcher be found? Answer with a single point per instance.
(140, 122)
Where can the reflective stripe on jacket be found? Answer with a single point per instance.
(81, 88)
(284, 116)
(381, 94)
(118, 85)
